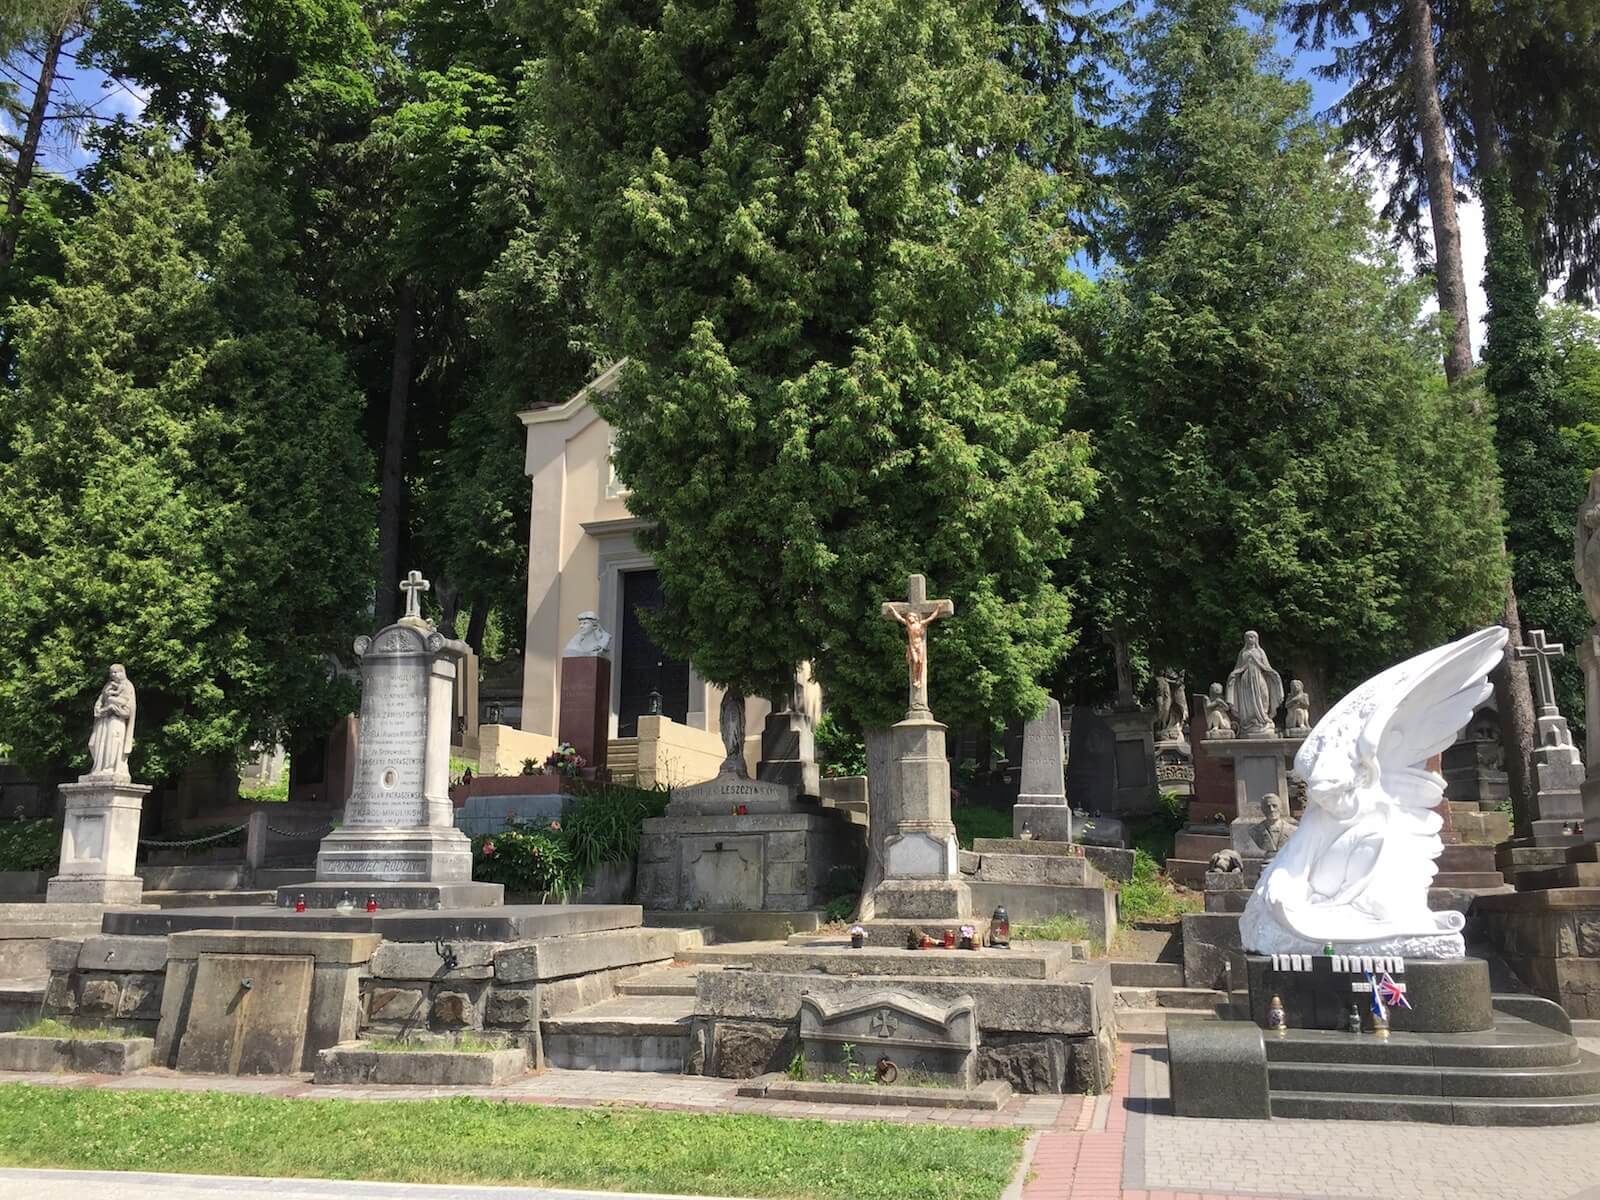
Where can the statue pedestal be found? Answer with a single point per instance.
(1260, 765)
(922, 876)
(99, 841)
(585, 719)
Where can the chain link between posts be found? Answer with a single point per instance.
(184, 844)
(301, 834)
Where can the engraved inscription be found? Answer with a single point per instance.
(389, 761)
(384, 868)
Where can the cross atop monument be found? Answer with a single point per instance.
(1541, 652)
(413, 585)
(916, 612)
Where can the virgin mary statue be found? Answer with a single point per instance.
(1255, 690)
(111, 740)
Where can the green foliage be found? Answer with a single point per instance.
(1277, 447)
(528, 859)
(48, 1027)
(980, 821)
(1059, 928)
(1148, 896)
(177, 436)
(30, 845)
(810, 233)
(842, 908)
(1544, 480)
(464, 1140)
(840, 751)
(603, 823)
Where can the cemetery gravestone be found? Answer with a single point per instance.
(922, 1040)
(399, 843)
(1042, 801)
(1558, 798)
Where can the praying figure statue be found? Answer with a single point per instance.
(1219, 721)
(1255, 690)
(730, 718)
(1296, 711)
(111, 740)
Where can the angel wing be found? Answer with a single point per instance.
(1383, 732)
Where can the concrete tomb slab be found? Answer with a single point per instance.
(891, 1032)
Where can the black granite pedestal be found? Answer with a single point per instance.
(1446, 995)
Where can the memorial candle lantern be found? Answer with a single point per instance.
(300, 902)
(1000, 928)
(372, 902)
(949, 939)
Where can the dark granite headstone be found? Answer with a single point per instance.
(1091, 762)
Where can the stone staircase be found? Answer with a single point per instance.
(1146, 994)
(645, 1027)
(1519, 1073)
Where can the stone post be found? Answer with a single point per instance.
(255, 845)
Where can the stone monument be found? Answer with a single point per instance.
(399, 844)
(1263, 838)
(1296, 711)
(1558, 798)
(1134, 743)
(922, 880)
(100, 836)
(788, 743)
(585, 720)
(1042, 801)
(1219, 717)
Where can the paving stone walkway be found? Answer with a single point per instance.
(1121, 1146)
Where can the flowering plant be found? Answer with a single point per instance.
(526, 858)
(564, 760)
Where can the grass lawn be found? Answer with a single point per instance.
(492, 1142)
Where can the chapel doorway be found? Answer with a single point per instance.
(641, 666)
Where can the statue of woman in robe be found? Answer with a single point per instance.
(111, 740)
(1255, 690)
(730, 718)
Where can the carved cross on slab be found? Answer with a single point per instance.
(883, 1023)
(1541, 653)
(916, 613)
(413, 585)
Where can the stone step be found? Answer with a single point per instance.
(194, 899)
(1469, 880)
(1513, 1043)
(1184, 998)
(1146, 974)
(1563, 1079)
(1147, 1025)
(1438, 1110)
(1027, 960)
(21, 1002)
(1463, 856)
(1037, 868)
(1541, 879)
(1188, 872)
(741, 926)
(666, 981)
(627, 1033)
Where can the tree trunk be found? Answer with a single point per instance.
(477, 623)
(882, 811)
(391, 495)
(1513, 696)
(1450, 274)
(28, 152)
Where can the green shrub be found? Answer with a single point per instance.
(840, 751)
(980, 821)
(1148, 896)
(842, 908)
(604, 821)
(267, 793)
(30, 845)
(526, 858)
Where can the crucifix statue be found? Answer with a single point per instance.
(1541, 653)
(413, 585)
(916, 613)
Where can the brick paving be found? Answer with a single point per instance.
(1121, 1146)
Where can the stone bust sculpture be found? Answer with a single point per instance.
(1271, 832)
(1296, 711)
(111, 739)
(590, 641)
(1219, 721)
(1255, 690)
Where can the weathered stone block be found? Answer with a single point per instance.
(515, 1007)
(141, 997)
(742, 1049)
(390, 1004)
(422, 960)
(557, 958)
(454, 1009)
(928, 1039)
(98, 997)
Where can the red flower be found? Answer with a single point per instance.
(488, 849)
(555, 826)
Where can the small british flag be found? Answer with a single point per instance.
(1394, 994)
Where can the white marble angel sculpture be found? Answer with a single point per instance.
(1356, 872)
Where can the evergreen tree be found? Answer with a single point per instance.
(177, 437)
(1278, 448)
(809, 230)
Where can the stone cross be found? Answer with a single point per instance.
(916, 613)
(1541, 652)
(883, 1023)
(413, 585)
